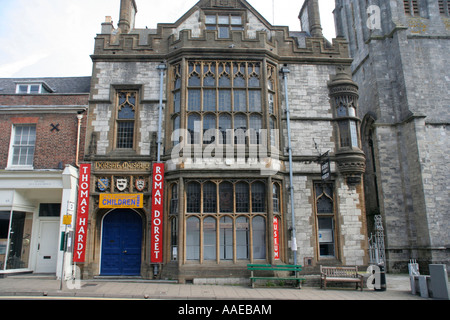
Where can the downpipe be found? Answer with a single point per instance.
(285, 71)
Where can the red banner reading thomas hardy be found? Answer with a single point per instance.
(157, 213)
(84, 182)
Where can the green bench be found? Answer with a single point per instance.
(275, 268)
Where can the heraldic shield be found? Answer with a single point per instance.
(121, 184)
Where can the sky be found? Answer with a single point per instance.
(55, 38)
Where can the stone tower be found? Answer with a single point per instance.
(400, 51)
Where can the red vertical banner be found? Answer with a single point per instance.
(276, 238)
(84, 183)
(157, 213)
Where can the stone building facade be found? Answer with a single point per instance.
(225, 77)
(401, 67)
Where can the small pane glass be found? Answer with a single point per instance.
(224, 20)
(210, 19)
(236, 20)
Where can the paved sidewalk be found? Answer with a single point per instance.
(398, 288)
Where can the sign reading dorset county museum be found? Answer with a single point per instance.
(125, 201)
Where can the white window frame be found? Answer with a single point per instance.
(12, 166)
(29, 85)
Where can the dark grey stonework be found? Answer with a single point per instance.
(404, 84)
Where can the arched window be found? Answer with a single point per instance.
(209, 198)
(225, 129)
(209, 238)
(209, 127)
(193, 197)
(255, 128)
(193, 238)
(258, 197)
(242, 238)
(226, 238)
(174, 199)
(242, 197)
(226, 197)
(259, 237)
(220, 223)
(126, 112)
(276, 197)
(194, 126)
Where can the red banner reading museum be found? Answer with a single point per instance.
(276, 238)
(157, 212)
(84, 182)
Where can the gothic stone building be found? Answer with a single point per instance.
(227, 196)
(401, 68)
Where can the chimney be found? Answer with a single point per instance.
(128, 10)
(310, 18)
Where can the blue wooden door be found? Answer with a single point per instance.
(121, 243)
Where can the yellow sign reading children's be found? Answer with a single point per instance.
(128, 201)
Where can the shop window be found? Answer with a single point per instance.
(15, 237)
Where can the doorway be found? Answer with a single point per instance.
(47, 256)
(121, 243)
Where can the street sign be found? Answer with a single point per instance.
(325, 168)
(67, 219)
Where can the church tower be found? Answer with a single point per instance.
(400, 51)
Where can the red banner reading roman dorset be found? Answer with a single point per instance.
(157, 212)
(84, 182)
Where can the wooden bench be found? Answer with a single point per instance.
(275, 268)
(340, 274)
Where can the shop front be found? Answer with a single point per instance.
(31, 226)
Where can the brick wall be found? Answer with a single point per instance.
(43, 99)
(52, 147)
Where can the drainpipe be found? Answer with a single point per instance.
(79, 117)
(285, 71)
(162, 67)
